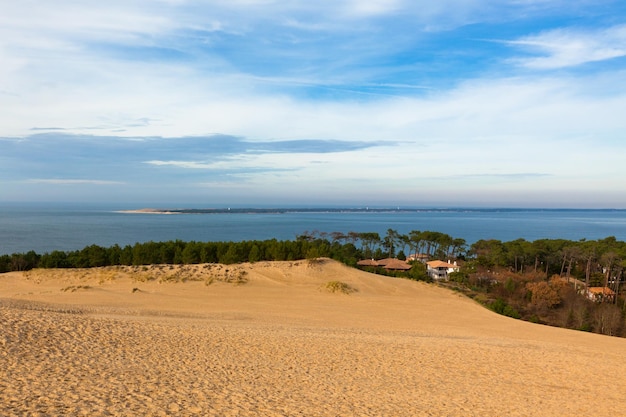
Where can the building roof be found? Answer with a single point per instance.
(383, 262)
(367, 262)
(397, 264)
(387, 263)
(441, 264)
(601, 290)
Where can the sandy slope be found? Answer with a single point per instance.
(84, 343)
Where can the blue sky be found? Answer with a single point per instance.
(340, 103)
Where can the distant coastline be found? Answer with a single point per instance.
(148, 211)
(250, 210)
(44, 229)
(270, 210)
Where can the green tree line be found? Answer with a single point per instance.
(345, 247)
(514, 278)
(595, 262)
(179, 252)
(546, 281)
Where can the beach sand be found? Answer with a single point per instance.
(269, 339)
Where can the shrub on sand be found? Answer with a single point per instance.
(338, 286)
(74, 288)
(236, 277)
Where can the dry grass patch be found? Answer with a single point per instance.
(338, 286)
(74, 288)
(236, 276)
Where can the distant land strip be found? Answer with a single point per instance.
(237, 210)
(270, 210)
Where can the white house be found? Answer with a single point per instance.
(439, 270)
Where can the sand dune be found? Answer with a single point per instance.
(270, 339)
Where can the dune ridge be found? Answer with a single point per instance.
(269, 339)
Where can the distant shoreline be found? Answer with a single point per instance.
(249, 210)
(147, 211)
(269, 210)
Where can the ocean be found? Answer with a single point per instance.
(47, 228)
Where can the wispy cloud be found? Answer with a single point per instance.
(505, 176)
(344, 98)
(182, 164)
(569, 47)
(34, 129)
(132, 158)
(66, 181)
(238, 167)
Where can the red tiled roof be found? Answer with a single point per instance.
(387, 263)
(440, 264)
(383, 262)
(397, 264)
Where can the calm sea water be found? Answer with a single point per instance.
(43, 229)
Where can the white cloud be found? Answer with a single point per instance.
(372, 7)
(181, 164)
(85, 21)
(563, 48)
(61, 181)
(217, 68)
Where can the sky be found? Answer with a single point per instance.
(216, 103)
